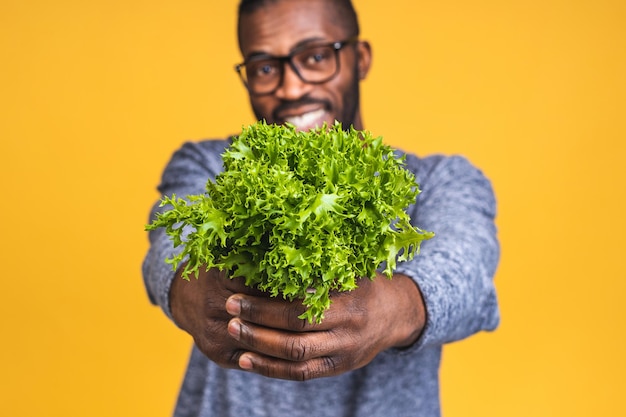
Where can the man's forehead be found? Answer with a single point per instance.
(279, 27)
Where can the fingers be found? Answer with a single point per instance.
(295, 371)
(239, 327)
(291, 346)
(271, 312)
(238, 285)
(277, 343)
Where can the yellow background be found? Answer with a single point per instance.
(96, 95)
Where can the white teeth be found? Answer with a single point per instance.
(305, 119)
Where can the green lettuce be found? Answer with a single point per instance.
(299, 214)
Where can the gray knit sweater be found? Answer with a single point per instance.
(454, 271)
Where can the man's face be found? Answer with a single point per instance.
(280, 27)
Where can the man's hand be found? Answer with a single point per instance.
(378, 315)
(239, 327)
(198, 307)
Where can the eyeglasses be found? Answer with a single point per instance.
(313, 64)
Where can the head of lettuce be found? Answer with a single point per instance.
(299, 214)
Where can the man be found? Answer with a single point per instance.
(378, 350)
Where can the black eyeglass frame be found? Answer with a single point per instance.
(337, 46)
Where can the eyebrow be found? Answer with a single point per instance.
(302, 43)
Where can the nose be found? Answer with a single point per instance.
(292, 87)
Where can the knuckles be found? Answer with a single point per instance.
(291, 316)
(305, 371)
(296, 349)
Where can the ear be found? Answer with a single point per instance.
(364, 53)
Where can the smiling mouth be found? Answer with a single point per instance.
(307, 120)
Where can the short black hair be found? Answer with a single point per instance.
(345, 10)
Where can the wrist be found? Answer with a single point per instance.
(412, 317)
(184, 297)
(175, 295)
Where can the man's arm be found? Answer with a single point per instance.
(186, 174)
(198, 305)
(455, 269)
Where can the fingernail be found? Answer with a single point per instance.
(233, 306)
(245, 362)
(234, 329)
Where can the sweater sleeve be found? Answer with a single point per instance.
(455, 269)
(187, 173)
